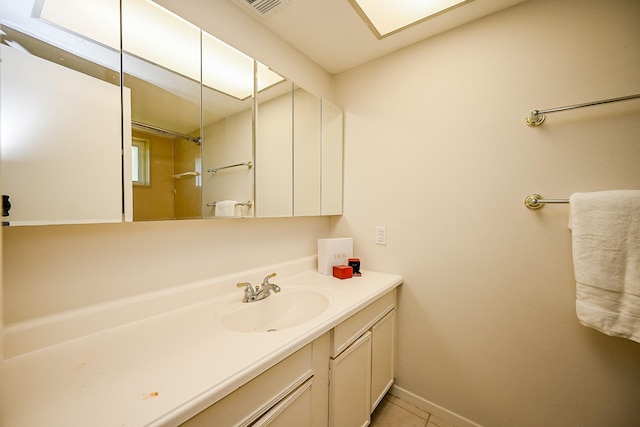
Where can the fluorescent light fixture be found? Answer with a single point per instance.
(388, 17)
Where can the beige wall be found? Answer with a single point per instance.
(50, 269)
(437, 151)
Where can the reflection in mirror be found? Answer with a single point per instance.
(227, 96)
(306, 153)
(274, 146)
(161, 67)
(332, 136)
(196, 139)
(60, 113)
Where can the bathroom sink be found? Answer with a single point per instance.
(281, 310)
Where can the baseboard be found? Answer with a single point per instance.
(432, 408)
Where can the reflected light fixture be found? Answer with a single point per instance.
(161, 37)
(385, 17)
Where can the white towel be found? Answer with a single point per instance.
(606, 257)
(225, 208)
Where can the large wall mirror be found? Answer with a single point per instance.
(165, 123)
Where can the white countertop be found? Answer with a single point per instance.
(161, 369)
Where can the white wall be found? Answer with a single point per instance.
(437, 151)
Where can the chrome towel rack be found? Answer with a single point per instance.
(183, 174)
(215, 170)
(536, 117)
(248, 204)
(535, 201)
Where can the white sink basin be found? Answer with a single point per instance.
(281, 310)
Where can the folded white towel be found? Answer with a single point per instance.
(606, 257)
(226, 208)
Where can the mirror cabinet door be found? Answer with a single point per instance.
(161, 68)
(227, 146)
(60, 113)
(306, 153)
(274, 145)
(332, 149)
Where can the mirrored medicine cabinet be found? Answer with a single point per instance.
(120, 110)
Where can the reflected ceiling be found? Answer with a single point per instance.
(160, 37)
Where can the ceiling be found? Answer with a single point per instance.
(333, 35)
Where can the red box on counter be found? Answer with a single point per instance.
(342, 271)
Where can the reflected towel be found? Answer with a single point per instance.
(606, 257)
(226, 208)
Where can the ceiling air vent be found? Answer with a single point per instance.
(264, 8)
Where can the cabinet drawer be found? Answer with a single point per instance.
(349, 330)
(250, 401)
(293, 410)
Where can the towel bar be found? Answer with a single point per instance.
(535, 201)
(249, 204)
(536, 117)
(215, 170)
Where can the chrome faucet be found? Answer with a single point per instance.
(262, 291)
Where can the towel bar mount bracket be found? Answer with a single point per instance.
(531, 201)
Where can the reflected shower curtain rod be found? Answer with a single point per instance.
(536, 117)
(165, 132)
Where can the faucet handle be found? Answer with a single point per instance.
(266, 279)
(249, 292)
(248, 286)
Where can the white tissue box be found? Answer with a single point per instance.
(333, 252)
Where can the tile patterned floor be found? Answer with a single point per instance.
(393, 412)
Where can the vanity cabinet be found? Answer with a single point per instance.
(336, 380)
(362, 363)
(292, 392)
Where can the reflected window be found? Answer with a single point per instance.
(140, 163)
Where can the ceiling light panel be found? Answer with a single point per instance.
(386, 17)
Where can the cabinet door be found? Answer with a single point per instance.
(382, 357)
(274, 150)
(61, 143)
(306, 153)
(350, 387)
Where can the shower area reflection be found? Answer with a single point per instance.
(163, 68)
